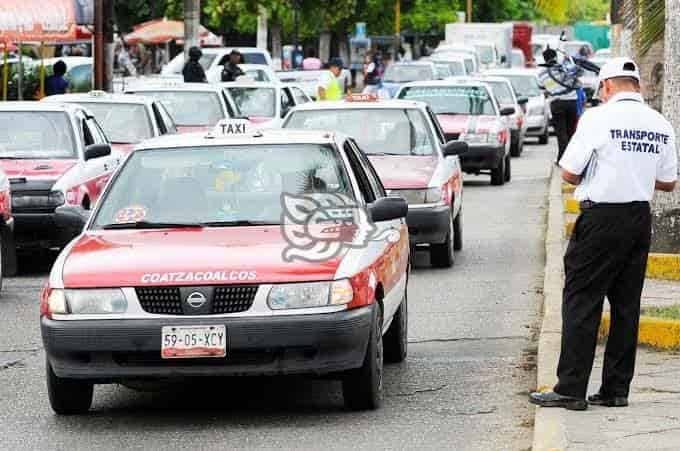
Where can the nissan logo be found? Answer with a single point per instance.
(196, 299)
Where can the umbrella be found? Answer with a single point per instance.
(160, 31)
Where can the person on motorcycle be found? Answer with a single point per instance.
(231, 69)
(193, 71)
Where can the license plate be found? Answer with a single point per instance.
(182, 342)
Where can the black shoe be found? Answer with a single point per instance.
(608, 401)
(552, 399)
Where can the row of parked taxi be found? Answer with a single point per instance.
(199, 239)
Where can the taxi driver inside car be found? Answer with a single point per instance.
(180, 277)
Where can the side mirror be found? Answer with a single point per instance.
(97, 151)
(507, 111)
(523, 100)
(71, 219)
(452, 148)
(388, 209)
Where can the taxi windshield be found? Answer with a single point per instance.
(220, 185)
(467, 100)
(123, 123)
(402, 73)
(253, 102)
(502, 92)
(190, 108)
(36, 134)
(377, 131)
(525, 85)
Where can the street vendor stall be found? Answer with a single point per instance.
(41, 21)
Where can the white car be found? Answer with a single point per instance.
(55, 155)
(525, 83)
(193, 106)
(126, 119)
(255, 72)
(264, 104)
(458, 63)
(218, 56)
(446, 50)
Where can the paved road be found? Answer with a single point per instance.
(464, 385)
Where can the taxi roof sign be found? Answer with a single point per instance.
(367, 97)
(234, 128)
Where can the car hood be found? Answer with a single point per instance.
(193, 128)
(231, 255)
(463, 123)
(37, 169)
(407, 171)
(123, 148)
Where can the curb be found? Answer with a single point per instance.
(656, 332)
(549, 424)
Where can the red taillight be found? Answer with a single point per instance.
(44, 306)
(503, 136)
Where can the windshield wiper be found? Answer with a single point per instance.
(241, 222)
(151, 225)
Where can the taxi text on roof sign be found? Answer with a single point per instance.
(232, 127)
(370, 97)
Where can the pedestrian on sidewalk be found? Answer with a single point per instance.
(621, 152)
(331, 85)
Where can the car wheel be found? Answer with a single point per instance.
(442, 255)
(68, 396)
(508, 170)
(3, 258)
(396, 338)
(543, 139)
(362, 388)
(458, 231)
(515, 148)
(498, 174)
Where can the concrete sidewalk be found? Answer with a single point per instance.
(652, 421)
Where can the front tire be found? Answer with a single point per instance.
(458, 231)
(362, 388)
(442, 255)
(396, 338)
(516, 147)
(498, 174)
(68, 396)
(508, 170)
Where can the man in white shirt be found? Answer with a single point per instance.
(621, 152)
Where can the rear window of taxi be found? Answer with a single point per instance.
(36, 134)
(467, 100)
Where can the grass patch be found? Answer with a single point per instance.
(669, 312)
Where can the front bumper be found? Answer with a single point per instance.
(536, 125)
(43, 230)
(428, 225)
(482, 157)
(111, 350)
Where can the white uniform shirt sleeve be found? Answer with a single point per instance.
(667, 168)
(324, 80)
(580, 149)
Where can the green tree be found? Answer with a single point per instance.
(425, 16)
(132, 12)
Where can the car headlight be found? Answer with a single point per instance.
(94, 301)
(53, 199)
(309, 295)
(419, 196)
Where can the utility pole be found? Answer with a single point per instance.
(397, 29)
(468, 14)
(262, 28)
(192, 19)
(103, 45)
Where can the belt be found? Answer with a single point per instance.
(588, 204)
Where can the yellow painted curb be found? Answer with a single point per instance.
(567, 188)
(571, 205)
(656, 332)
(663, 266)
(569, 228)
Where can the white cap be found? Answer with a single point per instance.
(619, 67)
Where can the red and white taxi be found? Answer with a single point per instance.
(54, 155)
(404, 142)
(126, 119)
(236, 252)
(468, 111)
(194, 107)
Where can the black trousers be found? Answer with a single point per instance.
(565, 118)
(607, 256)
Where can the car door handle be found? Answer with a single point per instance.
(106, 166)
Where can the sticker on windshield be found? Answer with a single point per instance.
(226, 178)
(133, 213)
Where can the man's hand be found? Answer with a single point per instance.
(664, 186)
(571, 178)
(321, 94)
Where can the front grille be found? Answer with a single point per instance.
(233, 298)
(160, 300)
(168, 301)
(452, 136)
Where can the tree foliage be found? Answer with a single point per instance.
(648, 20)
